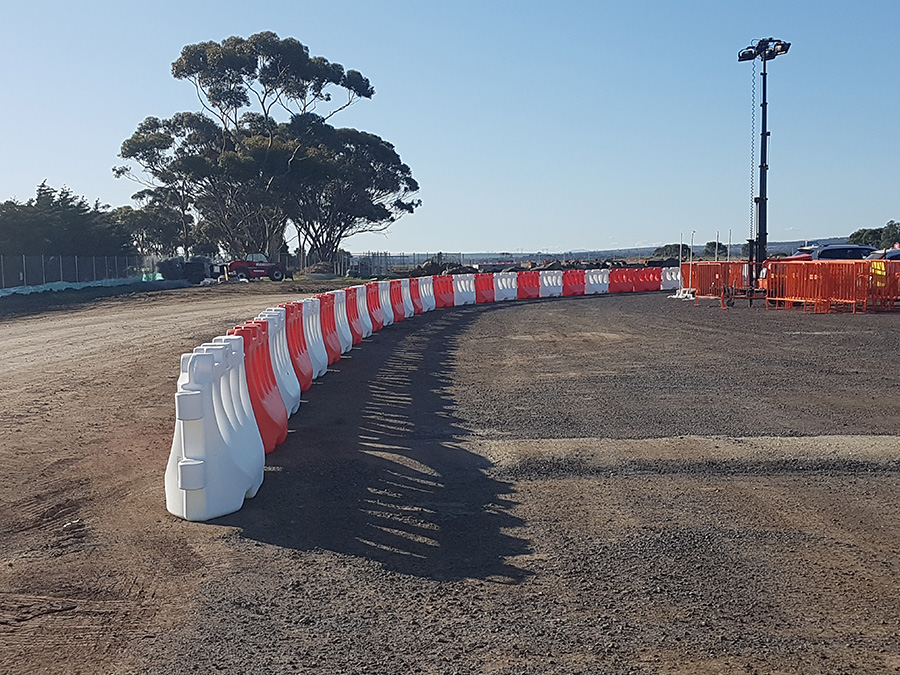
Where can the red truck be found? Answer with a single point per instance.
(257, 266)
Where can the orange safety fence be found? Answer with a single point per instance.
(835, 285)
(819, 285)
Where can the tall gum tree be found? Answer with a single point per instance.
(235, 183)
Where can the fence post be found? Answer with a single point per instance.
(94, 265)
(116, 265)
(24, 272)
(60, 270)
(2, 273)
(43, 270)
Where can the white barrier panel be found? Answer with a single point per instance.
(596, 281)
(241, 405)
(426, 292)
(362, 308)
(345, 335)
(464, 289)
(408, 308)
(384, 295)
(312, 330)
(279, 354)
(506, 286)
(551, 283)
(210, 471)
(671, 278)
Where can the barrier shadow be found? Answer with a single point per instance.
(374, 465)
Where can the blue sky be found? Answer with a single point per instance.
(529, 125)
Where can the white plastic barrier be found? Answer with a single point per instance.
(551, 283)
(506, 286)
(312, 330)
(362, 307)
(426, 292)
(345, 335)
(279, 353)
(464, 289)
(596, 281)
(408, 308)
(671, 278)
(384, 295)
(214, 464)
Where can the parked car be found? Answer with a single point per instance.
(885, 254)
(831, 252)
(257, 266)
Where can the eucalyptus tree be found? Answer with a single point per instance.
(349, 182)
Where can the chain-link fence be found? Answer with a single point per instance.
(37, 270)
(381, 263)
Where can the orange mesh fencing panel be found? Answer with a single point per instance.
(707, 279)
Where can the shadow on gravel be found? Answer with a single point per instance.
(374, 467)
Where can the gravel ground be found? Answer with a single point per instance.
(605, 484)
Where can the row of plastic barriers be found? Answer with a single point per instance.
(236, 393)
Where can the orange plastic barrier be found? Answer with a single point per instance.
(297, 347)
(397, 300)
(573, 282)
(356, 329)
(415, 296)
(265, 397)
(647, 279)
(373, 304)
(329, 327)
(621, 280)
(444, 296)
(529, 284)
(484, 288)
(706, 279)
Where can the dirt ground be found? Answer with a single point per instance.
(622, 484)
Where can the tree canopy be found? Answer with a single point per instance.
(880, 237)
(58, 222)
(237, 176)
(672, 251)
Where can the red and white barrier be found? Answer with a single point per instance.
(505, 286)
(463, 289)
(384, 297)
(596, 281)
(408, 306)
(362, 308)
(342, 321)
(215, 461)
(551, 283)
(671, 279)
(426, 292)
(235, 395)
(312, 326)
(373, 305)
(285, 379)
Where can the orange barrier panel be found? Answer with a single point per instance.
(621, 280)
(373, 304)
(573, 282)
(397, 300)
(297, 347)
(444, 295)
(884, 288)
(648, 279)
(706, 279)
(356, 329)
(329, 327)
(484, 288)
(529, 284)
(265, 397)
(415, 296)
